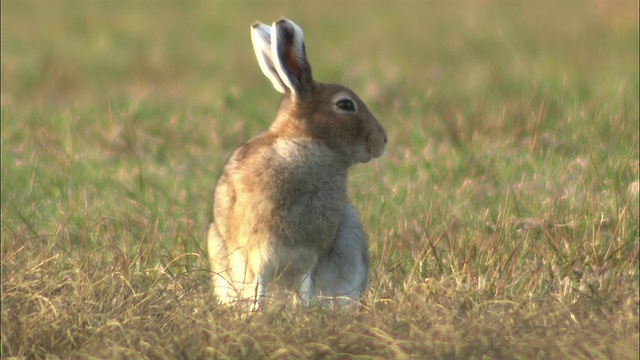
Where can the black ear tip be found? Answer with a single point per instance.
(285, 24)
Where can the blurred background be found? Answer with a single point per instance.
(73, 53)
(105, 100)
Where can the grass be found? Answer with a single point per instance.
(503, 220)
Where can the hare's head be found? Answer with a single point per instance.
(328, 112)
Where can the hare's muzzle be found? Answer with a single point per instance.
(377, 139)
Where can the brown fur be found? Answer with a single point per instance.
(281, 199)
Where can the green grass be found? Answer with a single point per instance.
(503, 220)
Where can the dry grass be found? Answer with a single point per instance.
(104, 313)
(503, 220)
(109, 312)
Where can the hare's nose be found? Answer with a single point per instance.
(385, 138)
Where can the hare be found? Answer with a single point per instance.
(281, 214)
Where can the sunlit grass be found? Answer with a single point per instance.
(503, 220)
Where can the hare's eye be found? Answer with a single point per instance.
(346, 105)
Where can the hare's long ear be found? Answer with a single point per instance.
(261, 38)
(290, 58)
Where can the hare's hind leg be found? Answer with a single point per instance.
(233, 278)
(223, 286)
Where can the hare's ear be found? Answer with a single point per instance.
(261, 38)
(290, 58)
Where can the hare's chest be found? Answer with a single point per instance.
(306, 175)
(308, 193)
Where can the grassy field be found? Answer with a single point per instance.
(503, 220)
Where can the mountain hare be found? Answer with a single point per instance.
(281, 213)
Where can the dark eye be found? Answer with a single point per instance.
(346, 105)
